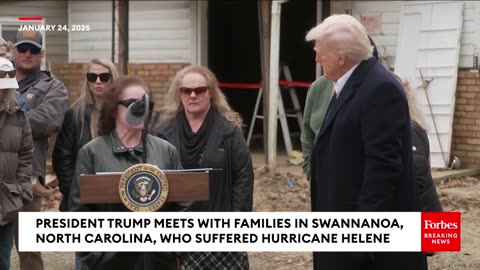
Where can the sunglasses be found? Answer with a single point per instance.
(199, 91)
(127, 102)
(104, 77)
(11, 74)
(23, 48)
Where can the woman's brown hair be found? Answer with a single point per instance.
(112, 97)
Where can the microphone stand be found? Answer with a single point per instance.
(145, 128)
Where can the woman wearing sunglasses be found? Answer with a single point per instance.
(16, 150)
(208, 134)
(80, 124)
(118, 147)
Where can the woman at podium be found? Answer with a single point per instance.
(207, 133)
(119, 146)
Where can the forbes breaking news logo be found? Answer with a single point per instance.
(441, 231)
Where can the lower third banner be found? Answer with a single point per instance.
(234, 231)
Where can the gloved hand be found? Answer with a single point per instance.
(22, 105)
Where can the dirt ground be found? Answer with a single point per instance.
(274, 194)
(288, 190)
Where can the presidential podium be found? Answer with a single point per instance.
(183, 186)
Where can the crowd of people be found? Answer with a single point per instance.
(364, 143)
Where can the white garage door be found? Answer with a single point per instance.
(429, 47)
(160, 31)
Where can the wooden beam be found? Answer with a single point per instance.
(264, 22)
(114, 24)
(123, 37)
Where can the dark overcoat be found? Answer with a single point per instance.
(362, 161)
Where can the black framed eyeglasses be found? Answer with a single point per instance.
(11, 74)
(199, 91)
(104, 77)
(24, 47)
(127, 102)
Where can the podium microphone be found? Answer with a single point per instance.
(137, 112)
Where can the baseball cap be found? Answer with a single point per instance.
(32, 37)
(7, 82)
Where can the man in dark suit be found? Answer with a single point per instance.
(362, 159)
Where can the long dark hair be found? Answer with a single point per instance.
(110, 103)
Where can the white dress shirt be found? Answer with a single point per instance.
(340, 83)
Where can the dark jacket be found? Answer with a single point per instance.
(107, 154)
(69, 141)
(362, 161)
(46, 102)
(429, 200)
(16, 147)
(231, 189)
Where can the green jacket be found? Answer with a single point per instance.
(316, 105)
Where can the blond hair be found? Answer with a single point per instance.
(87, 98)
(218, 99)
(414, 106)
(7, 102)
(344, 35)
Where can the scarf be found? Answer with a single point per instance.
(192, 144)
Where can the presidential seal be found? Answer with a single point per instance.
(143, 188)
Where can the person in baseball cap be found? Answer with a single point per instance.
(46, 103)
(15, 158)
(27, 52)
(29, 37)
(7, 75)
(27, 55)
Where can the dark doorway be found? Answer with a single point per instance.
(234, 50)
(298, 17)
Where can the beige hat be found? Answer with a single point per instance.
(7, 82)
